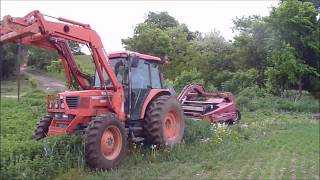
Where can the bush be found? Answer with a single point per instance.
(33, 84)
(196, 130)
(55, 66)
(254, 98)
(187, 77)
(240, 80)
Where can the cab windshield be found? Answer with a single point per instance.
(118, 67)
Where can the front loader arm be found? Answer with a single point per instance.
(34, 29)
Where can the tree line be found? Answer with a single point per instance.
(278, 52)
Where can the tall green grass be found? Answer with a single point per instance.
(24, 158)
(9, 86)
(253, 98)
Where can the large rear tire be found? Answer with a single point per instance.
(42, 128)
(164, 122)
(105, 142)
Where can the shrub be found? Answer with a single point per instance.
(254, 98)
(187, 77)
(55, 66)
(211, 88)
(240, 80)
(196, 130)
(33, 84)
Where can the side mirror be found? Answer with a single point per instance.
(134, 61)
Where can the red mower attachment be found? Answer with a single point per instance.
(216, 107)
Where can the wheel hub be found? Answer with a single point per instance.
(171, 125)
(111, 143)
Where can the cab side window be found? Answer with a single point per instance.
(140, 76)
(155, 76)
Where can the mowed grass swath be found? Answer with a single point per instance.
(267, 143)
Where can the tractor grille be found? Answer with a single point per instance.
(73, 101)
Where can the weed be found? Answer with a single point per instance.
(33, 84)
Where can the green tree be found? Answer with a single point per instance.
(295, 23)
(187, 77)
(8, 60)
(40, 58)
(161, 20)
(215, 62)
(183, 55)
(286, 69)
(149, 39)
(251, 46)
(75, 48)
(240, 80)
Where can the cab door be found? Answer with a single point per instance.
(140, 82)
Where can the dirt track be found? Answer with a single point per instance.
(45, 83)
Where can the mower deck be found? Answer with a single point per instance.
(215, 107)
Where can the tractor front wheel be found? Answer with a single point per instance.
(105, 142)
(42, 128)
(164, 121)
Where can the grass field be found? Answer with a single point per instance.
(268, 143)
(9, 87)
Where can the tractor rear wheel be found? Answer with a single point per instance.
(42, 128)
(105, 142)
(164, 121)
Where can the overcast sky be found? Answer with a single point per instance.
(115, 20)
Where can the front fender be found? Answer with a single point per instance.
(153, 93)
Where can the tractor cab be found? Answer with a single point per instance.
(138, 73)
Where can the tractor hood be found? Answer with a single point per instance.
(70, 101)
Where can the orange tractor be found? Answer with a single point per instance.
(125, 99)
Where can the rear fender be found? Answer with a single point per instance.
(153, 93)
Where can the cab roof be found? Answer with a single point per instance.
(118, 54)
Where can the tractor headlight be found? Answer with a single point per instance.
(50, 105)
(56, 105)
(65, 116)
(58, 115)
(62, 105)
